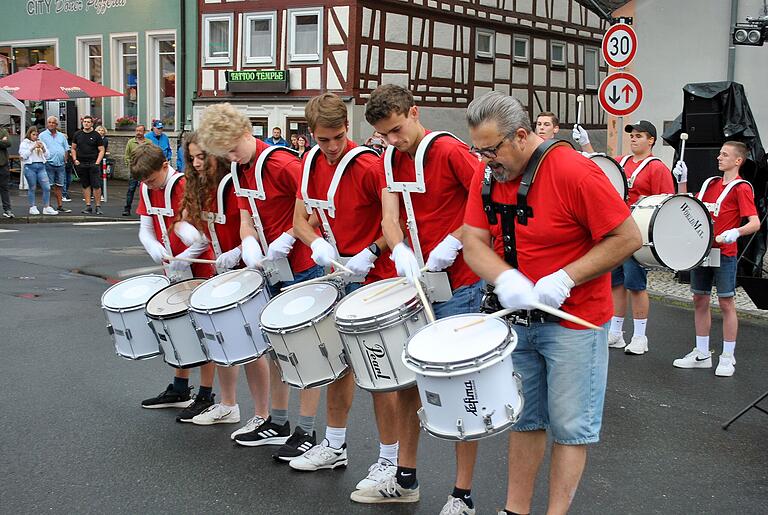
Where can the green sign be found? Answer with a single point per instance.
(257, 76)
(258, 81)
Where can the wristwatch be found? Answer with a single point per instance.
(375, 250)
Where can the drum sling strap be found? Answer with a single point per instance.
(715, 208)
(646, 161)
(219, 217)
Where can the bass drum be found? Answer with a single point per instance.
(613, 171)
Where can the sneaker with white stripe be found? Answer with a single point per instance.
(299, 443)
(377, 473)
(264, 432)
(387, 491)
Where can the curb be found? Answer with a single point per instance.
(53, 219)
(757, 316)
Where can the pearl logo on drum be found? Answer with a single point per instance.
(374, 353)
(695, 223)
(470, 399)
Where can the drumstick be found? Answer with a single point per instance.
(683, 139)
(338, 265)
(139, 271)
(190, 260)
(425, 301)
(315, 280)
(388, 287)
(580, 102)
(496, 314)
(541, 307)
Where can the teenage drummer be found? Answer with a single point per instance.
(448, 168)
(646, 175)
(354, 232)
(148, 165)
(547, 125)
(566, 247)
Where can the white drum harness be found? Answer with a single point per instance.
(219, 217)
(643, 164)
(714, 208)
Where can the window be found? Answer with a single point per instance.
(485, 46)
(217, 39)
(126, 59)
(161, 78)
(557, 53)
(259, 34)
(89, 65)
(591, 68)
(305, 44)
(520, 49)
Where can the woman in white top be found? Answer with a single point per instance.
(34, 154)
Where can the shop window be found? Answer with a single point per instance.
(259, 38)
(305, 43)
(90, 65)
(161, 59)
(217, 39)
(125, 75)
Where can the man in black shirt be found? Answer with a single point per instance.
(87, 153)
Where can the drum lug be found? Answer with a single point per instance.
(110, 330)
(200, 334)
(422, 418)
(248, 331)
(323, 350)
(271, 353)
(460, 428)
(128, 334)
(343, 358)
(219, 337)
(292, 358)
(510, 411)
(487, 421)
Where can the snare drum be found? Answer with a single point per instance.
(168, 314)
(466, 380)
(677, 231)
(225, 310)
(305, 342)
(123, 305)
(613, 171)
(374, 330)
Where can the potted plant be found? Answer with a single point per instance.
(125, 123)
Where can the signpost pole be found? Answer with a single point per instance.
(620, 136)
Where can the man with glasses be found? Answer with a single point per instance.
(57, 155)
(87, 153)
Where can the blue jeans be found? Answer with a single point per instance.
(723, 277)
(35, 174)
(55, 174)
(310, 273)
(132, 184)
(630, 275)
(466, 299)
(564, 374)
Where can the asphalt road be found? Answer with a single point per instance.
(75, 439)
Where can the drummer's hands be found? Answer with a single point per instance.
(177, 265)
(228, 260)
(580, 135)
(514, 290)
(729, 236)
(188, 233)
(156, 251)
(553, 289)
(362, 262)
(280, 247)
(323, 252)
(251, 253)
(405, 262)
(444, 254)
(680, 171)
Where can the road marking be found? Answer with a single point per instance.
(9, 230)
(130, 222)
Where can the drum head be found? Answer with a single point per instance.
(440, 343)
(355, 306)
(299, 305)
(133, 292)
(681, 232)
(173, 300)
(613, 171)
(226, 289)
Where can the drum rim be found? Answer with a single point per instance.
(308, 323)
(384, 320)
(134, 306)
(175, 314)
(204, 311)
(231, 304)
(625, 196)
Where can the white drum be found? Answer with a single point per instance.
(613, 171)
(375, 328)
(466, 380)
(168, 314)
(123, 305)
(305, 342)
(677, 231)
(225, 310)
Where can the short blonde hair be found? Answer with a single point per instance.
(221, 126)
(326, 110)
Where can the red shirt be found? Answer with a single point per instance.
(654, 179)
(157, 198)
(574, 207)
(227, 233)
(448, 172)
(281, 177)
(357, 223)
(738, 204)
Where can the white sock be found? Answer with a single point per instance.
(616, 324)
(729, 347)
(702, 344)
(389, 452)
(335, 436)
(640, 327)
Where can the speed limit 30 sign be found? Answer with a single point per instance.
(619, 45)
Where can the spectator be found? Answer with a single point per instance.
(302, 145)
(103, 133)
(180, 161)
(160, 139)
(134, 142)
(69, 168)
(5, 174)
(34, 154)
(294, 141)
(376, 142)
(57, 146)
(277, 139)
(39, 120)
(87, 153)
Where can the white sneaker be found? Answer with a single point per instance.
(616, 340)
(249, 426)
(386, 492)
(33, 210)
(637, 345)
(725, 367)
(377, 473)
(48, 210)
(319, 457)
(456, 506)
(694, 359)
(218, 414)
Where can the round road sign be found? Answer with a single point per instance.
(620, 93)
(619, 45)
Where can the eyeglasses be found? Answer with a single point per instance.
(487, 152)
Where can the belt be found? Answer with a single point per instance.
(535, 316)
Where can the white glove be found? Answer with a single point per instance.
(514, 290)
(188, 233)
(580, 135)
(228, 260)
(251, 254)
(680, 171)
(280, 247)
(362, 262)
(729, 236)
(177, 265)
(553, 289)
(444, 254)
(323, 252)
(156, 250)
(405, 262)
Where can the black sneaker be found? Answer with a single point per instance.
(198, 406)
(267, 433)
(99, 211)
(87, 211)
(62, 209)
(126, 212)
(170, 398)
(299, 443)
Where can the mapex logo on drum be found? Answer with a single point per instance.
(374, 354)
(695, 223)
(470, 401)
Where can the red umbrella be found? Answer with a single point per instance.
(46, 82)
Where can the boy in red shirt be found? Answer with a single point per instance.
(729, 199)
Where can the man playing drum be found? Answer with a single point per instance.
(547, 125)
(729, 199)
(557, 250)
(149, 166)
(438, 209)
(646, 175)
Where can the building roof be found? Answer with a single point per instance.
(607, 6)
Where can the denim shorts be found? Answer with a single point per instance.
(466, 299)
(630, 275)
(723, 277)
(56, 175)
(564, 375)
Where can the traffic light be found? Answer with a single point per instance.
(752, 33)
